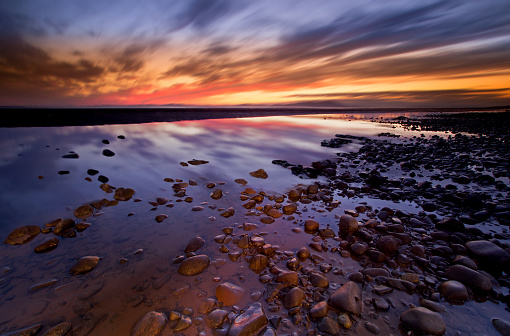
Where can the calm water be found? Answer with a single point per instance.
(34, 193)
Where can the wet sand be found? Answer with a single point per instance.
(386, 226)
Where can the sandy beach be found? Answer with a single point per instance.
(289, 224)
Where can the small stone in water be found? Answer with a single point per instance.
(150, 324)
(22, 235)
(84, 211)
(59, 330)
(194, 265)
(259, 174)
(47, 246)
(228, 213)
(160, 218)
(84, 265)
(108, 153)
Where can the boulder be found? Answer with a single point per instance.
(469, 277)
(453, 290)
(347, 224)
(424, 320)
(229, 294)
(248, 323)
(488, 253)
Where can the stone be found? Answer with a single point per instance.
(123, 194)
(311, 225)
(241, 181)
(84, 265)
(450, 224)
(469, 277)
(43, 284)
(502, 326)
(318, 280)
(388, 244)
(319, 310)
(48, 245)
(151, 324)
(289, 209)
(248, 323)
(22, 235)
(84, 211)
(216, 318)
(183, 324)
(161, 218)
(60, 329)
(229, 294)
(344, 321)
(358, 249)
(194, 265)
(424, 320)
(453, 290)
(108, 153)
(488, 252)
(63, 226)
(303, 253)
(347, 224)
(259, 174)
(228, 213)
(294, 298)
(347, 298)
(288, 277)
(194, 244)
(217, 194)
(258, 263)
(329, 326)
(26, 331)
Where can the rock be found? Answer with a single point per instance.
(229, 294)
(319, 310)
(424, 320)
(108, 153)
(358, 249)
(241, 181)
(469, 277)
(294, 298)
(274, 213)
(26, 331)
(217, 194)
(194, 244)
(259, 174)
(502, 326)
(216, 318)
(194, 265)
(453, 291)
(123, 194)
(347, 224)
(258, 263)
(311, 225)
(183, 324)
(289, 209)
(228, 213)
(388, 244)
(161, 218)
(151, 324)
(84, 211)
(488, 253)
(59, 330)
(303, 253)
(84, 265)
(329, 326)
(347, 298)
(22, 235)
(318, 280)
(288, 277)
(344, 321)
(376, 272)
(48, 245)
(248, 323)
(450, 224)
(43, 284)
(62, 226)
(434, 306)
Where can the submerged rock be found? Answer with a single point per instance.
(150, 324)
(84, 211)
(248, 323)
(424, 320)
(59, 330)
(261, 173)
(194, 265)
(26, 331)
(22, 235)
(84, 265)
(123, 194)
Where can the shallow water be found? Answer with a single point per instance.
(34, 193)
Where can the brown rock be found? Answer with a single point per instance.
(84, 265)
(216, 318)
(348, 224)
(319, 310)
(123, 194)
(259, 174)
(311, 225)
(249, 323)
(63, 226)
(228, 213)
(388, 244)
(424, 320)
(347, 298)
(294, 298)
(217, 194)
(194, 244)
(59, 330)
(469, 277)
(258, 263)
(289, 209)
(229, 294)
(22, 235)
(84, 211)
(150, 324)
(453, 291)
(289, 277)
(194, 265)
(48, 245)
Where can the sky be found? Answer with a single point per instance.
(324, 53)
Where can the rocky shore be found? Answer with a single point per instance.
(359, 261)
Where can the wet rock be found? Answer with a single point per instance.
(161, 218)
(228, 213)
(450, 224)
(108, 153)
(250, 322)
(318, 280)
(267, 220)
(206, 306)
(358, 249)
(303, 253)
(229, 294)
(81, 226)
(151, 324)
(319, 310)
(453, 291)
(259, 174)
(381, 304)
(217, 194)
(194, 244)
(469, 277)
(376, 272)
(289, 209)
(344, 321)
(288, 277)
(241, 181)
(43, 284)
(48, 245)
(347, 298)
(84, 265)
(347, 224)
(123, 194)
(63, 226)
(311, 225)
(329, 326)
(59, 330)
(294, 298)
(274, 213)
(258, 263)
(488, 253)
(194, 265)
(502, 326)
(183, 324)
(26, 331)
(388, 244)
(400, 284)
(434, 306)
(216, 318)
(84, 211)
(22, 235)
(424, 320)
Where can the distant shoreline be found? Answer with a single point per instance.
(86, 116)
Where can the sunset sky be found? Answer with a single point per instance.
(339, 53)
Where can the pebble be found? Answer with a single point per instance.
(59, 330)
(453, 291)
(259, 174)
(311, 225)
(22, 235)
(194, 265)
(294, 298)
(424, 320)
(151, 324)
(83, 211)
(48, 245)
(216, 318)
(488, 252)
(194, 244)
(84, 265)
